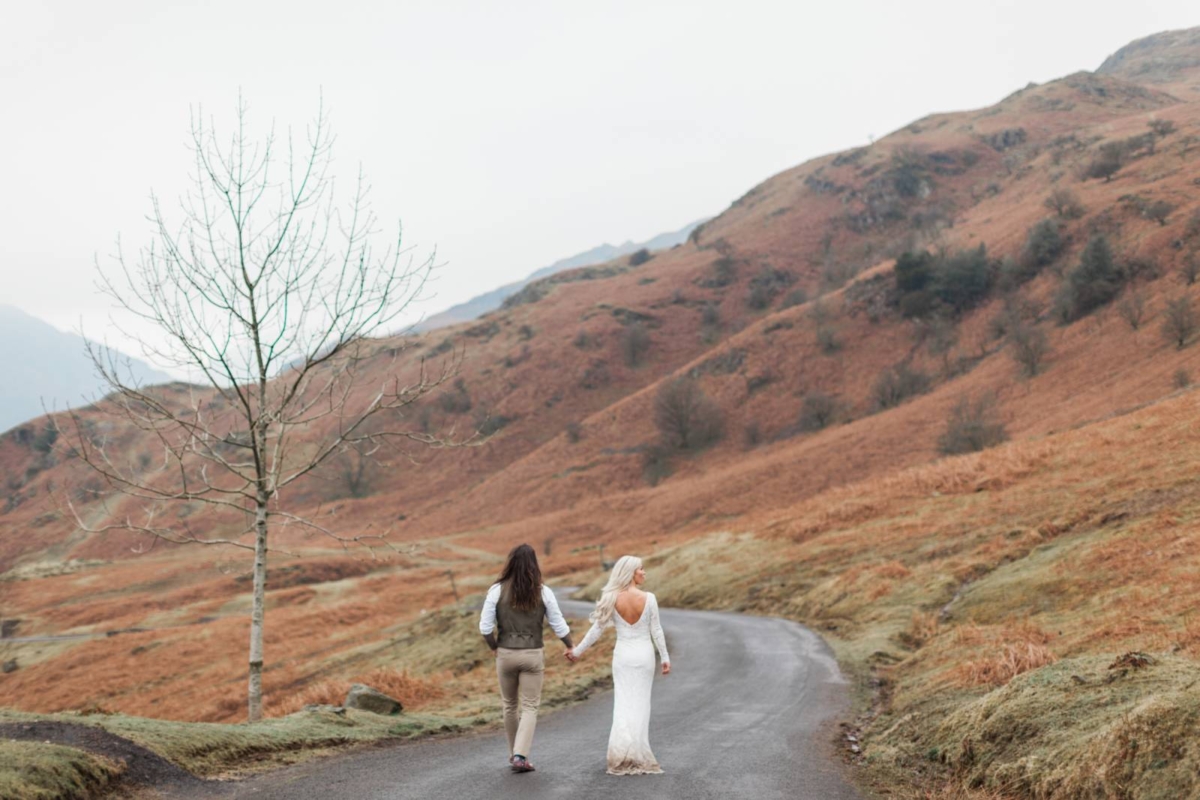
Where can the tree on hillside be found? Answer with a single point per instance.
(1093, 282)
(267, 288)
(1179, 321)
(685, 416)
(1065, 204)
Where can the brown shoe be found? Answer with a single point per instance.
(520, 764)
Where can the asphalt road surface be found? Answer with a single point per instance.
(748, 711)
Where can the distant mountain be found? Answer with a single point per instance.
(478, 306)
(42, 368)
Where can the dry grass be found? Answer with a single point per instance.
(412, 692)
(999, 668)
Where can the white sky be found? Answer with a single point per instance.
(508, 134)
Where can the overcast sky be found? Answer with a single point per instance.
(507, 135)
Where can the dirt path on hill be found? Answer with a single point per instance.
(748, 711)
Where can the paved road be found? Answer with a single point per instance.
(747, 712)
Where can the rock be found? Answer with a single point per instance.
(10, 666)
(365, 698)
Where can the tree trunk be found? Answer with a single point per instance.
(256, 608)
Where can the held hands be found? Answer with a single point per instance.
(666, 668)
(569, 655)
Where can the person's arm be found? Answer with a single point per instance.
(656, 631)
(487, 617)
(588, 640)
(555, 618)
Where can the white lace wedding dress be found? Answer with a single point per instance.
(633, 677)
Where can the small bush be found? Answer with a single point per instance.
(685, 416)
(1030, 346)
(639, 257)
(1159, 211)
(574, 432)
(817, 411)
(583, 340)
(1065, 204)
(828, 341)
(1132, 308)
(656, 463)
(44, 441)
(489, 424)
(635, 341)
(1162, 128)
(898, 384)
(456, 400)
(1043, 246)
(724, 272)
(796, 297)
(525, 333)
(765, 286)
(1179, 321)
(1191, 268)
(1107, 162)
(1182, 379)
(751, 436)
(955, 283)
(973, 426)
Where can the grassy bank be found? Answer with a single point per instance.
(1018, 623)
(38, 771)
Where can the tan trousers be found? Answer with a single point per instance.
(520, 673)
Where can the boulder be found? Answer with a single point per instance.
(10, 666)
(365, 698)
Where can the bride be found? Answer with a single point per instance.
(634, 613)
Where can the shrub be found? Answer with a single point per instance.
(639, 257)
(1191, 268)
(1107, 162)
(574, 432)
(724, 272)
(828, 341)
(796, 297)
(1043, 246)
(766, 285)
(596, 376)
(635, 341)
(896, 385)
(817, 411)
(1158, 211)
(1162, 128)
(973, 426)
(751, 436)
(489, 424)
(1179, 321)
(44, 441)
(1065, 203)
(1030, 346)
(1132, 308)
(1182, 379)
(525, 333)
(685, 416)
(656, 463)
(1093, 282)
(457, 400)
(583, 340)
(956, 282)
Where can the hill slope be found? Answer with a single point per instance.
(489, 301)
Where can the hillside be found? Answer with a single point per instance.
(46, 368)
(489, 301)
(837, 316)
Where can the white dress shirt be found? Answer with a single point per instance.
(487, 618)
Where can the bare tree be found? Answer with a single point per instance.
(1065, 203)
(685, 416)
(267, 288)
(1132, 308)
(1179, 321)
(1029, 348)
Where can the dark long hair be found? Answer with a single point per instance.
(524, 577)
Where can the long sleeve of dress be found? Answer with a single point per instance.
(592, 636)
(656, 631)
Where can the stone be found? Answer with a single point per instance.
(318, 707)
(365, 698)
(10, 666)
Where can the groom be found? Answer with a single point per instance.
(511, 624)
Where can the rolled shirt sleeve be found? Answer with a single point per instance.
(553, 614)
(487, 617)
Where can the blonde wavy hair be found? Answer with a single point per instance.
(619, 580)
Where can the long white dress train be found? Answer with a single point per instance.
(633, 678)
